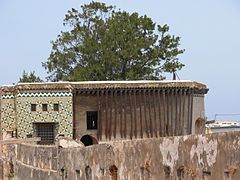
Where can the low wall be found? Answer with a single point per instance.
(37, 162)
(7, 160)
(214, 156)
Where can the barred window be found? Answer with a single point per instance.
(92, 117)
(46, 131)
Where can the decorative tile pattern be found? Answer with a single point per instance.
(7, 96)
(45, 94)
(24, 117)
(7, 114)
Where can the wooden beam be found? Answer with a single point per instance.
(98, 114)
(135, 114)
(140, 108)
(101, 113)
(154, 114)
(191, 119)
(164, 114)
(121, 115)
(179, 119)
(189, 112)
(150, 111)
(125, 114)
(160, 118)
(183, 113)
(110, 119)
(172, 113)
(145, 113)
(106, 112)
(168, 124)
(131, 118)
(115, 114)
(176, 113)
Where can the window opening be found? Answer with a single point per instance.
(46, 131)
(56, 107)
(92, 119)
(44, 107)
(33, 107)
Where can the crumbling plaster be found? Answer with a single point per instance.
(212, 156)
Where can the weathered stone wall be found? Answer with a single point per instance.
(138, 114)
(7, 161)
(37, 162)
(214, 156)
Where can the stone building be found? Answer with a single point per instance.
(102, 110)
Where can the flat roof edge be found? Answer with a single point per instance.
(105, 85)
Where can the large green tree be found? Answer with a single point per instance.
(103, 43)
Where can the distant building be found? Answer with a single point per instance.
(223, 126)
(102, 110)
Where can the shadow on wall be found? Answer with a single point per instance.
(88, 140)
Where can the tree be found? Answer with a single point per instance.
(108, 44)
(31, 77)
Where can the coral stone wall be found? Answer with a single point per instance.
(214, 156)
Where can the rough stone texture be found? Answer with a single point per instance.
(42, 157)
(69, 143)
(8, 161)
(214, 156)
(27, 172)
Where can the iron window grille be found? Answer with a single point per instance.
(92, 120)
(46, 131)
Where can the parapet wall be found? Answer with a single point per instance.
(213, 156)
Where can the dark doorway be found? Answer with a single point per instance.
(46, 131)
(88, 140)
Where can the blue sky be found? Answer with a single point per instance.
(209, 31)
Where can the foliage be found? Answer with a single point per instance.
(31, 77)
(104, 43)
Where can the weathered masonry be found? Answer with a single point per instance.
(102, 111)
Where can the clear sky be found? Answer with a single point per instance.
(209, 31)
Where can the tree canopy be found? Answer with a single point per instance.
(31, 77)
(105, 43)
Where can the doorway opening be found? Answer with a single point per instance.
(88, 140)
